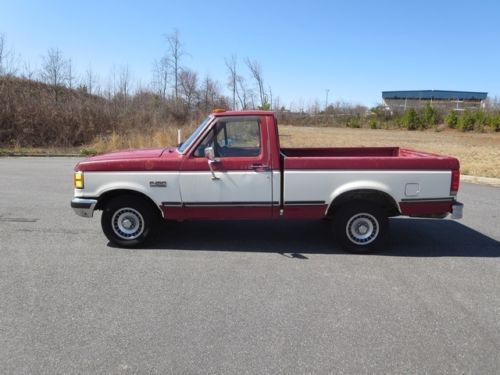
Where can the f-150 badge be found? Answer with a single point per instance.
(161, 184)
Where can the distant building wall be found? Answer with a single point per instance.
(399, 101)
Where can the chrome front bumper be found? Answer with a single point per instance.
(457, 210)
(83, 207)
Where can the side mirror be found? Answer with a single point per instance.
(209, 153)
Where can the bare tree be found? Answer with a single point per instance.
(277, 104)
(176, 51)
(161, 76)
(8, 63)
(243, 93)
(124, 81)
(210, 93)
(90, 80)
(111, 90)
(54, 68)
(233, 77)
(256, 71)
(493, 104)
(27, 71)
(71, 77)
(188, 82)
(314, 107)
(3, 53)
(270, 98)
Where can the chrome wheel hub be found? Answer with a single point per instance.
(127, 223)
(362, 228)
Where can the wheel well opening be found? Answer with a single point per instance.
(377, 197)
(106, 197)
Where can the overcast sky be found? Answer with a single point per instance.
(355, 49)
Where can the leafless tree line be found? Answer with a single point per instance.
(243, 96)
(54, 105)
(169, 72)
(171, 79)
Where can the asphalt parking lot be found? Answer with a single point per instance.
(241, 297)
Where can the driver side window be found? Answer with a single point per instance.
(237, 137)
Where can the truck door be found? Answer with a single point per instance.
(241, 183)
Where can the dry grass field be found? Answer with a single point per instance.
(479, 153)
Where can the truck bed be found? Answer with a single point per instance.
(365, 158)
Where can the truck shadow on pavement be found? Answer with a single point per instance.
(296, 239)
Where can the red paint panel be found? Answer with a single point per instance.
(244, 113)
(225, 164)
(138, 160)
(367, 159)
(341, 151)
(425, 208)
(130, 154)
(216, 213)
(305, 212)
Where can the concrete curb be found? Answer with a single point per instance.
(15, 155)
(480, 180)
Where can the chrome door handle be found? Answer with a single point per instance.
(260, 167)
(210, 165)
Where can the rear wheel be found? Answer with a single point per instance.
(128, 221)
(361, 227)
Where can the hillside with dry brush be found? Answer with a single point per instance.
(38, 115)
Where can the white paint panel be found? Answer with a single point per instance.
(97, 183)
(245, 186)
(277, 186)
(324, 185)
(251, 186)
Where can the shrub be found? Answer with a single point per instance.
(429, 117)
(495, 123)
(480, 120)
(466, 121)
(451, 119)
(353, 122)
(88, 151)
(372, 123)
(410, 119)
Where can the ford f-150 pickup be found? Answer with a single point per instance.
(232, 167)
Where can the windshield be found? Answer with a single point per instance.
(193, 136)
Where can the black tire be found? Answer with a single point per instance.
(128, 221)
(361, 227)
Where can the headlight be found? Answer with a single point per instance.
(78, 180)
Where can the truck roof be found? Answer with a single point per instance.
(221, 113)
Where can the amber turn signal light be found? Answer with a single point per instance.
(78, 180)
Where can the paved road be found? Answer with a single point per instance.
(239, 297)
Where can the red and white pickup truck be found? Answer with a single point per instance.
(232, 167)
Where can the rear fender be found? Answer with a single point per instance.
(361, 185)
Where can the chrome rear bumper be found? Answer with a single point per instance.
(83, 207)
(457, 210)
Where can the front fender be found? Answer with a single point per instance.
(98, 183)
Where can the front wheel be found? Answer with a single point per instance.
(361, 227)
(128, 221)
